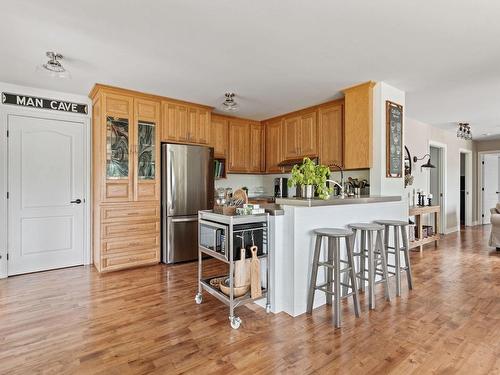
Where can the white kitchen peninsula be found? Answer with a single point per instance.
(292, 241)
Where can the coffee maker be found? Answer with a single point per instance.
(281, 187)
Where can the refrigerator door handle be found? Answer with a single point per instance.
(172, 183)
(184, 219)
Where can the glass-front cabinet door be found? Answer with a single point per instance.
(147, 179)
(146, 149)
(117, 147)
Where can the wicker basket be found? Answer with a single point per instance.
(225, 210)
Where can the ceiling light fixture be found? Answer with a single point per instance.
(53, 67)
(229, 104)
(463, 131)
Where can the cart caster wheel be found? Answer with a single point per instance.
(198, 299)
(235, 322)
(268, 309)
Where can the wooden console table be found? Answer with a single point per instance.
(418, 211)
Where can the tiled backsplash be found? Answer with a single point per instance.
(254, 181)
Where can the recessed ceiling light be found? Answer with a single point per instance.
(53, 67)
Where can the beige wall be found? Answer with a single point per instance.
(418, 136)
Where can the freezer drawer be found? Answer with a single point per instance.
(181, 239)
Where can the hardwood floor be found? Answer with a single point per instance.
(145, 321)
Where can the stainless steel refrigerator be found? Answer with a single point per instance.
(187, 186)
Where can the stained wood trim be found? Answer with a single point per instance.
(306, 109)
(117, 90)
(370, 84)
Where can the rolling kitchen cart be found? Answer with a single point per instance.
(219, 237)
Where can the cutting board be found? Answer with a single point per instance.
(242, 270)
(255, 289)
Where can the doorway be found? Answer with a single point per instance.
(465, 183)
(437, 181)
(490, 187)
(46, 193)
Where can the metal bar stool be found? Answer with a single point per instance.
(398, 227)
(333, 276)
(376, 257)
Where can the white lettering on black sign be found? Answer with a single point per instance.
(35, 102)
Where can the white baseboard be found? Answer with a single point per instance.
(452, 230)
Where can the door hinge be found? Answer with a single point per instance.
(482, 189)
(7, 195)
(7, 256)
(7, 134)
(482, 162)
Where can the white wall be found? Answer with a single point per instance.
(4, 109)
(418, 136)
(380, 184)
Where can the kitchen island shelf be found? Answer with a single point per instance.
(224, 298)
(216, 236)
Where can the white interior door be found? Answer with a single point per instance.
(45, 182)
(491, 185)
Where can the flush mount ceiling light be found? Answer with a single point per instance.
(229, 104)
(463, 131)
(53, 67)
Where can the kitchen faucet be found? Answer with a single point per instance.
(341, 185)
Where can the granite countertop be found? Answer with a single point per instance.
(336, 201)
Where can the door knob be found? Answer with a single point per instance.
(77, 201)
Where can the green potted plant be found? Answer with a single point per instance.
(311, 178)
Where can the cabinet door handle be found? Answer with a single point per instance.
(77, 201)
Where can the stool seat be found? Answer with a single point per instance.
(392, 222)
(334, 232)
(366, 226)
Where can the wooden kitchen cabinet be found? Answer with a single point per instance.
(300, 135)
(331, 130)
(358, 128)
(291, 137)
(239, 146)
(203, 129)
(256, 148)
(245, 146)
(184, 123)
(273, 153)
(125, 177)
(308, 137)
(219, 136)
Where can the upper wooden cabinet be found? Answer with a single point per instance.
(300, 135)
(219, 136)
(257, 155)
(115, 147)
(185, 123)
(203, 129)
(308, 134)
(245, 146)
(126, 148)
(146, 150)
(239, 145)
(358, 129)
(291, 137)
(273, 155)
(331, 130)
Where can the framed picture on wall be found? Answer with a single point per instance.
(394, 139)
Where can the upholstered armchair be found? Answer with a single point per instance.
(495, 227)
